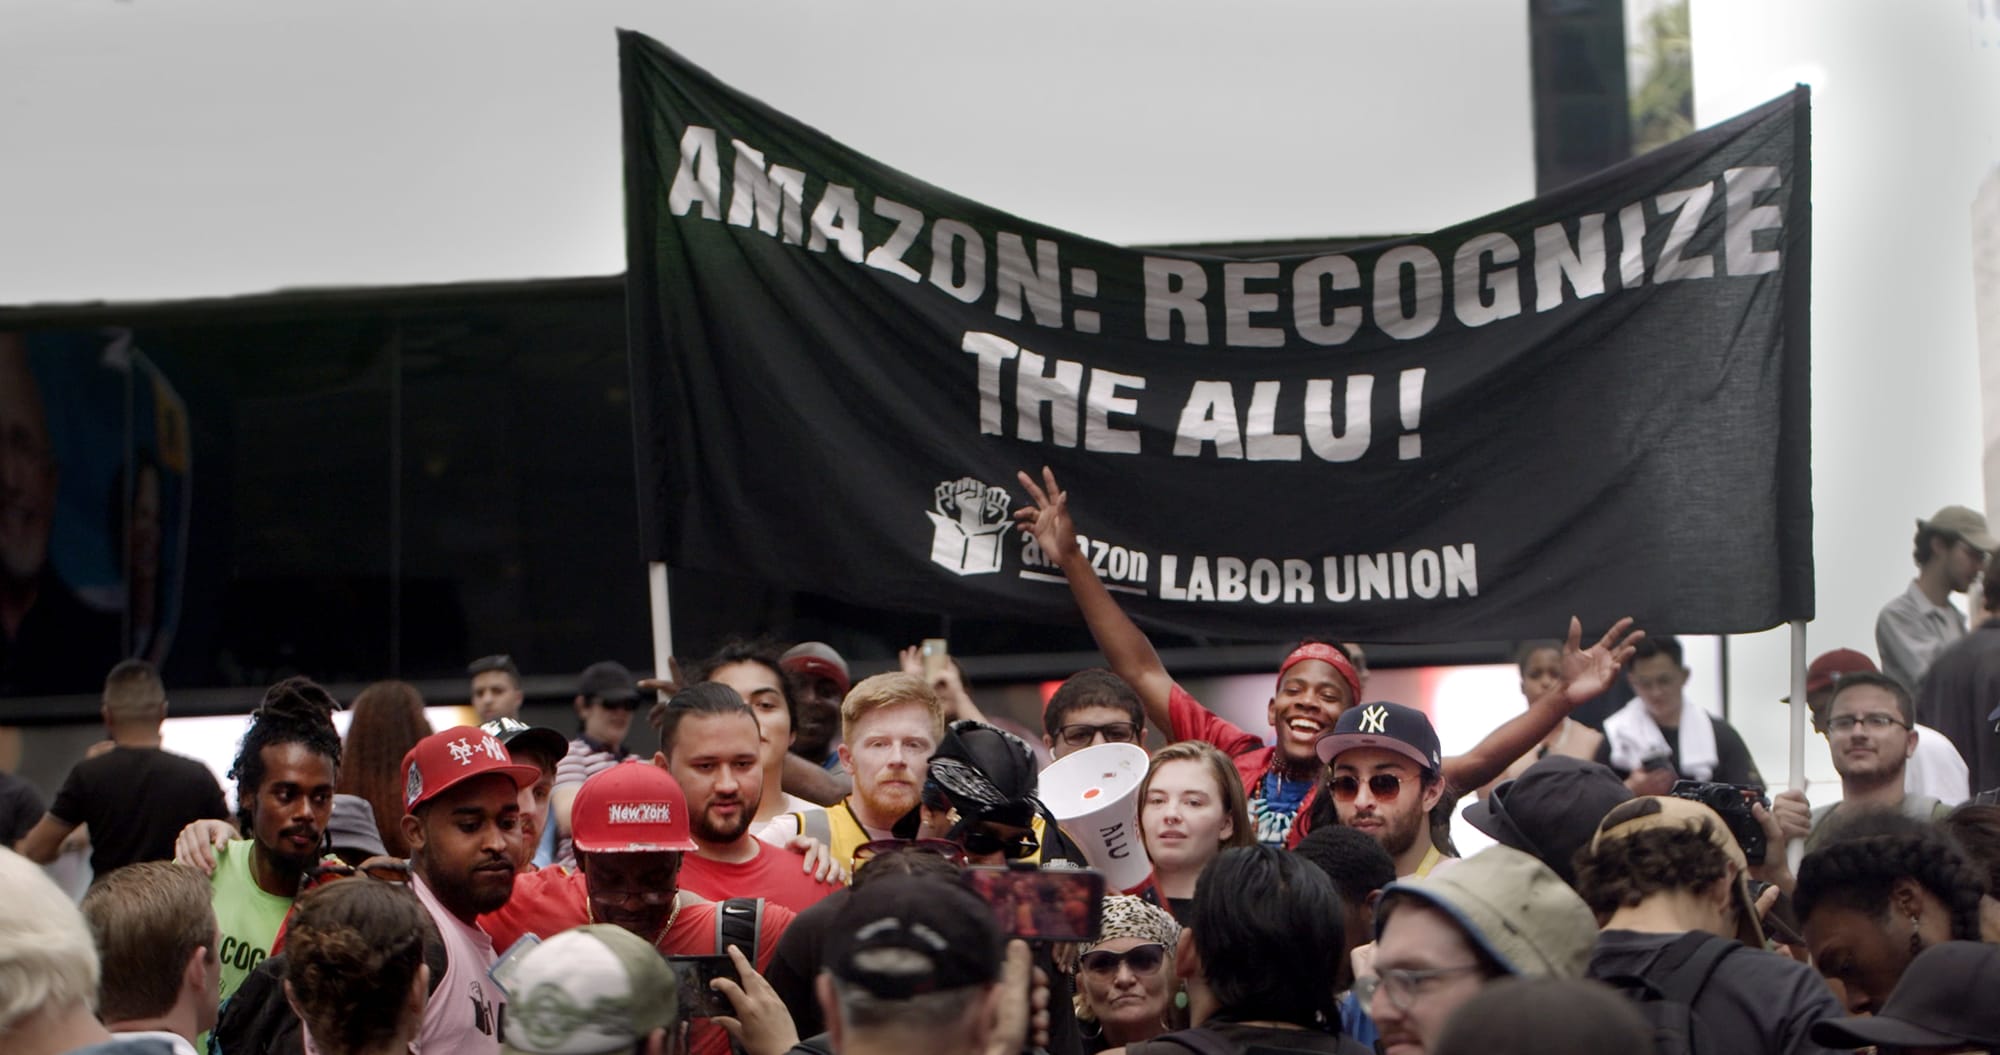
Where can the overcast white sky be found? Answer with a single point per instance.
(198, 147)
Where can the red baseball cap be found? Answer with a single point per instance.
(1825, 671)
(445, 760)
(818, 659)
(632, 808)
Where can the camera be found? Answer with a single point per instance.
(1732, 802)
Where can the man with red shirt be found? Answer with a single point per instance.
(710, 743)
(631, 834)
(1316, 683)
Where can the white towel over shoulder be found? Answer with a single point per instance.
(1635, 737)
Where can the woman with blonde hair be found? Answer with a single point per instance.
(1191, 808)
(1125, 986)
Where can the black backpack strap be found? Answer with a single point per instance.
(739, 921)
(1686, 965)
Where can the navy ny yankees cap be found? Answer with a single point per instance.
(1390, 726)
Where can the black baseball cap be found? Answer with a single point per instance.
(983, 772)
(516, 735)
(951, 932)
(608, 681)
(1551, 810)
(1390, 726)
(1944, 999)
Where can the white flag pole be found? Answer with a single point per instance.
(663, 623)
(1798, 759)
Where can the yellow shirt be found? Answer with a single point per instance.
(1430, 861)
(839, 828)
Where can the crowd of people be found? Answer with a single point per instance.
(775, 858)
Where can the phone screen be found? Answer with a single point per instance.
(1038, 905)
(937, 656)
(694, 973)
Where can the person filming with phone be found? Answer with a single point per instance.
(631, 835)
(1660, 737)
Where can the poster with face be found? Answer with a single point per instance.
(95, 479)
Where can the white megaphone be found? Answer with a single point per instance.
(1094, 793)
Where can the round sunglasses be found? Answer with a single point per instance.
(1384, 786)
(981, 841)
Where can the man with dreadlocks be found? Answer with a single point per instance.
(285, 773)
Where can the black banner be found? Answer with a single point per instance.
(1595, 402)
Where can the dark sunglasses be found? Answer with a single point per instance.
(628, 704)
(944, 848)
(1384, 786)
(981, 842)
(1114, 733)
(1145, 959)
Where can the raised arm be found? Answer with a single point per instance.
(1586, 673)
(1124, 645)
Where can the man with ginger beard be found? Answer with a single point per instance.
(462, 819)
(890, 725)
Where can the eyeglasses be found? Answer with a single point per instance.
(981, 842)
(388, 870)
(632, 898)
(1145, 959)
(1384, 786)
(1875, 722)
(944, 848)
(1404, 986)
(1114, 733)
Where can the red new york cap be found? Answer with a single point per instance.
(445, 760)
(632, 808)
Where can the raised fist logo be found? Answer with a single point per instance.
(974, 505)
(968, 519)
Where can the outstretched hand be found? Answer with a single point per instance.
(196, 844)
(1587, 672)
(1048, 518)
(668, 687)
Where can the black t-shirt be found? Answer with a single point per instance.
(796, 962)
(136, 800)
(20, 808)
(1733, 764)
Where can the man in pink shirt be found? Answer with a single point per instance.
(462, 818)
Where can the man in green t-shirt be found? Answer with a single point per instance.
(285, 773)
